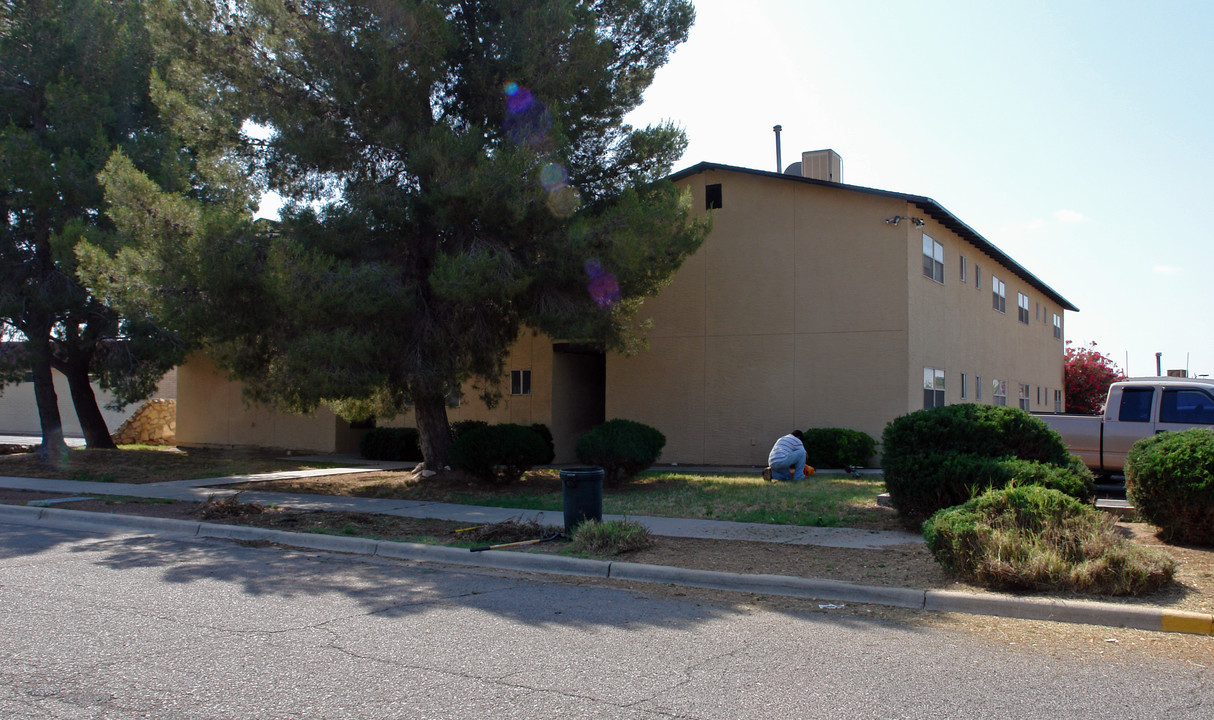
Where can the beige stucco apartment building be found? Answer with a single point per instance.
(811, 304)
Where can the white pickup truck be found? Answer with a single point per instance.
(1135, 408)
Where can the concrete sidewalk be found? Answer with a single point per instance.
(1094, 613)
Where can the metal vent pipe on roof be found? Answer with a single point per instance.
(779, 163)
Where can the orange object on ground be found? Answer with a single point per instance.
(809, 470)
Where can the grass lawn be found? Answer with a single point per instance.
(823, 500)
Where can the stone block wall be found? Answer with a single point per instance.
(154, 423)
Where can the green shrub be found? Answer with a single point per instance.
(459, 427)
(545, 433)
(498, 453)
(1169, 479)
(391, 444)
(622, 448)
(838, 447)
(941, 457)
(1035, 538)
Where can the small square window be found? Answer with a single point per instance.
(520, 382)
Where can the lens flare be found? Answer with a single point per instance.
(603, 286)
(553, 177)
(564, 201)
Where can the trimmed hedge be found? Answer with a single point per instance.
(838, 447)
(943, 456)
(1035, 538)
(459, 427)
(1169, 479)
(499, 453)
(391, 444)
(622, 448)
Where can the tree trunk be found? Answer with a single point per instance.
(92, 422)
(53, 447)
(433, 430)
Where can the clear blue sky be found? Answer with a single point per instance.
(1076, 136)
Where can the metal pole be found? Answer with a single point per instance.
(1159, 364)
(779, 164)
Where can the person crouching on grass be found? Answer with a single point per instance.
(786, 461)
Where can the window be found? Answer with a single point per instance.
(963, 390)
(1037, 310)
(1057, 401)
(933, 259)
(520, 382)
(1136, 404)
(933, 387)
(999, 391)
(1039, 394)
(712, 196)
(961, 272)
(1194, 407)
(1023, 301)
(978, 388)
(977, 276)
(1024, 396)
(998, 294)
(1057, 326)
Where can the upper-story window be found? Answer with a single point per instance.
(977, 276)
(1023, 301)
(933, 259)
(998, 294)
(961, 272)
(1024, 396)
(1057, 326)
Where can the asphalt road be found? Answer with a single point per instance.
(130, 626)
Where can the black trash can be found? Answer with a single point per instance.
(582, 494)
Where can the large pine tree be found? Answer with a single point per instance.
(455, 170)
(74, 86)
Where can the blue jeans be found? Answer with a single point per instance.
(789, 467)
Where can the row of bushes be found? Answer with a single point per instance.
(504, 452)
(1007, 507)
(942, 457)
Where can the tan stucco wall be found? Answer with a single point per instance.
(791, 315)
(19, 408)
(212, 412)
(955, 327)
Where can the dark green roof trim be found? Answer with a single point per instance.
(933, 209)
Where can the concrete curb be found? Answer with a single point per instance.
(1069, 611)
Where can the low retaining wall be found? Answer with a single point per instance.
(154, 423)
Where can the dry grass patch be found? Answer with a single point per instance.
(143, 464)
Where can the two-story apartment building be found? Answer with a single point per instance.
(811, 304)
